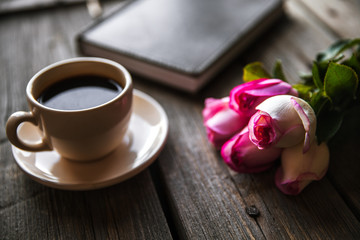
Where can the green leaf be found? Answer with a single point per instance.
(319, 102)
(254, 71)
(335, 49)
(341, 84)
(316, 76)
(354, 63)
(350, 128)
(322, 69)
(278, 71)
(327, 125)
(304, 91)
(306, 77)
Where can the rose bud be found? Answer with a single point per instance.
(220, 121)
(283, 121)
(298, 169)
(245, 97)
(241, 155)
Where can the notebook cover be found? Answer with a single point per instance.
(178, 42)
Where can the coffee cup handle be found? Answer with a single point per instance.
(11, 131)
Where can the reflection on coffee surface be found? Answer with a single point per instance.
(80, 92)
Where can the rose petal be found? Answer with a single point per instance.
(298, 169)
(308, 118)
(293, 118)
(241, 155)
(262, 130)
(227, 122)
(213, 106)
(245, 97)
(220, 121)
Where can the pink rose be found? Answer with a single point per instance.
(220, 121)
(241, 155)
(283, 121)
(245, 97)
(298, 169)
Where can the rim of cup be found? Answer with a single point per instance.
(125, 88)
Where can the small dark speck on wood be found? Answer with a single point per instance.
(332, 12)
(252, 211)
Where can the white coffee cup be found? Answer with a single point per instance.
(83, 134)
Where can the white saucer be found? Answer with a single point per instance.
(143, 143)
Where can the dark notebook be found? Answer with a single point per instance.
(182, 43)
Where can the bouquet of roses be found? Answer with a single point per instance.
(266, 118)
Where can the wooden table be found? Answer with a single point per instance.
(188, 193)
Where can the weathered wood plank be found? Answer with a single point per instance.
(317, 213)
(342, 17)
(130, 210)
(12, 6)
(205, 198)
(204, 202)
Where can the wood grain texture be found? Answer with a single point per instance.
(201, 198)
(13, 6)
(28, 210)
(342, 17)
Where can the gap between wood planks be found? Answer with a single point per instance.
(159, 183)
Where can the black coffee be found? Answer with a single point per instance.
(80, 92)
